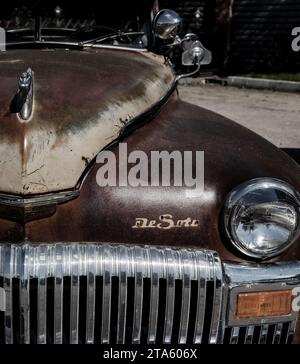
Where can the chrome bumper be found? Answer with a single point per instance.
(98, 293)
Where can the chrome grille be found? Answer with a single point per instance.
(90, 293)
(281, 333)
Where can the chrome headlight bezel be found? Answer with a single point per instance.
(238, 194)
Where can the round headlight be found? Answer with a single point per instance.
(262, 217)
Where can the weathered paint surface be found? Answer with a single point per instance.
(233, 155)
(81, 101)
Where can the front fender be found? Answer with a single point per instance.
(233, 154)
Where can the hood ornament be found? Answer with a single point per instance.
(23, 101)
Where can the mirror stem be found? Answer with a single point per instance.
(179, 77)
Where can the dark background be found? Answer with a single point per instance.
(244, 35)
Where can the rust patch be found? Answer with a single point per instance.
(76, 94)
(86, 160)
(72, 87)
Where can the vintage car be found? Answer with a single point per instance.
(85, 262)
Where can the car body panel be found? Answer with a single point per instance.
(233, 154)
(82, 99)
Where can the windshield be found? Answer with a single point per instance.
(88, 21)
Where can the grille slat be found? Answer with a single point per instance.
(263, 334)
(106, 308)
(201, 303)
(169, 318)
(74, 305)
(186, 297)
(234, 337)
(154, 296)
(92, 293)
(249, 335)
(58, 296)
(277, 335)
(42, 268)
(290, 333)
(122, 295)
(285, 333)
(2, 308)
(25, 298)
(138, 296)
(8, 270)
(216, 275)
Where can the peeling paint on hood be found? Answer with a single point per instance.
(81, 100)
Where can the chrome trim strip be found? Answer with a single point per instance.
(244, 274)
(38, 200)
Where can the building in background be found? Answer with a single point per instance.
(244, 35)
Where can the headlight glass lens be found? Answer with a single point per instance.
(262, 217)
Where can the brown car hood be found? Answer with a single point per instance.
(81, 101)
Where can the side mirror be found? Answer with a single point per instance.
(166, 24)
(196, 54)
(188, 41)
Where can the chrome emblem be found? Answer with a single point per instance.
(165, 222)
(23, 101)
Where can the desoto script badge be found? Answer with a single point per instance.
(165, 222)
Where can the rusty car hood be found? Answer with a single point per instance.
(82, 99)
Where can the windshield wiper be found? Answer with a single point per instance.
(93, 28)
(111, 37)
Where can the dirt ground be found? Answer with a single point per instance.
(274, 115)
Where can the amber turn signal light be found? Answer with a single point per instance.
(263, 304)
